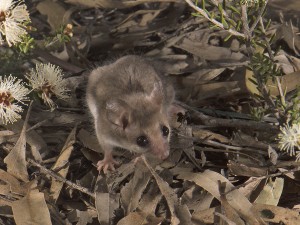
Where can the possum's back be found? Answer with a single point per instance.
(128, 75)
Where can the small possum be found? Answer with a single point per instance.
(130, 103)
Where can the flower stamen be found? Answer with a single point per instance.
(47, 90)
(6, 98)
(2, 16)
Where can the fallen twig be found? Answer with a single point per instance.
(61, 179)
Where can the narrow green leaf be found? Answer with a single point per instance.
(228, 37)
(196, 14)
(203, 4)
(268, 24)
(208, 13)
(272, 38)
(234, 9)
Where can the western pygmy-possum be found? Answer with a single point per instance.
(130, 102)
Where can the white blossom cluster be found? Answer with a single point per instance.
(13, 15)
(289, 139)
(12, 96)
(46, 79)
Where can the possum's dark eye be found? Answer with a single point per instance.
(165, 131)
(142, 141)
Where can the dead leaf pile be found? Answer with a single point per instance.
(224, 167)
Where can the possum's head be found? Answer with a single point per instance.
(141, 122)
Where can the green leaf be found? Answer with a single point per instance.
(234, 9)
(208, 13)
(196, 14)
(228, 37)
(238, 26)
(272, 38)
(268, 24)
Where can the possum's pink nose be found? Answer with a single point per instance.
(164, 154)
(161, 149)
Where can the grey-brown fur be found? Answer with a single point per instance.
(128, 98)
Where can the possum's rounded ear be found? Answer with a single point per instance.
(156, 96)
(118, 112)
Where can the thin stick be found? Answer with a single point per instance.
(236, 123)
(215, 22)
(259, 16)
(61, 179)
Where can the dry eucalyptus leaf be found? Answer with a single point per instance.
(4, 134)
(252, 185)
(131, 193)
(62, 165)
(289, 82)
(286, 5)
(139, 218)
(273, 155)
(81, 217)
(203, 134)
(295, 62)
(202, 76)
(36, 142)
(209, 180)
(98, 3)
(13, 184)
(149, 200)
(241, 169)
(4, 189)
(47, 7)
(197, 199)
(178, 212)
(182, 144)
(216, 90)
(108, 4)
(16, 159)
(229, 213)
(102, 203)
(106, 201)
(271, 193)
(209, 52)
(123, 172)
(89, 140)
(277, 214)
(284, 62)
(204, 216)
(32, 209)
(251, 87)
(288, 34)
(57, 118)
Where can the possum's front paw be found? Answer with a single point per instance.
(108, 163)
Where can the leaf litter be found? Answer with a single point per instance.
(218, 170)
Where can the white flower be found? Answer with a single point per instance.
(48, 80)
(289, 138)
(12, 16)
(11, 93)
